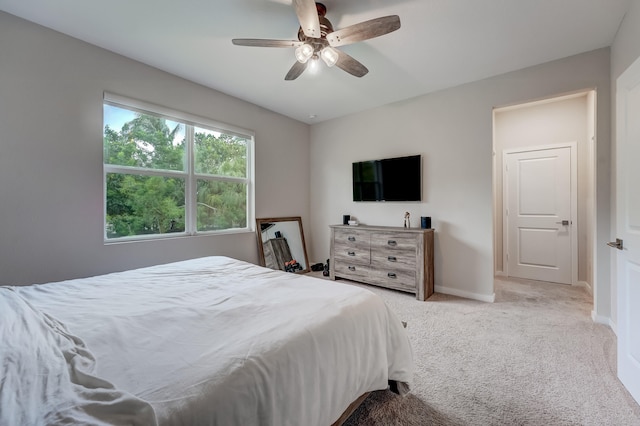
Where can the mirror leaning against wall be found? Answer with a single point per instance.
(281, 244)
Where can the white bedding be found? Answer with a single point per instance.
(205, 341)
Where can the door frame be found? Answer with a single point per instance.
(573, 149)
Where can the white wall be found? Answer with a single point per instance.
(625, 50)
(549, 122)
(51, 196)
(452, 129)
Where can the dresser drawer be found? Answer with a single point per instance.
(351, 246)
(389, 251)
(352, 238)
(404, 280)
(402, 261)
(352, 271)
(393, 242)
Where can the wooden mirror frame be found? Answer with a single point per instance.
(298, 247)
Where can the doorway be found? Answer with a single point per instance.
(535, 129)
(540, 198)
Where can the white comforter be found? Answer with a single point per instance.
(206, 341)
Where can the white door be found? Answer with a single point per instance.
(628, 227)
(540, 200)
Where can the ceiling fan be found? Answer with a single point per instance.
(317, 39)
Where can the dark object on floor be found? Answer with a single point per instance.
(317, 267)
(292, 266)
(326, 269)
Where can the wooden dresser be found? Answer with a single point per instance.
(276, 253)
(398, 258)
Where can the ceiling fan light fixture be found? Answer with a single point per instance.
(329, 56)
(304, 52)
(317, 39)
(314, 67)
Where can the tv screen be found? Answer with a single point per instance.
(389, 179)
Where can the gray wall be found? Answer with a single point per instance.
(453, 131)
(51, 184)
(626, 47)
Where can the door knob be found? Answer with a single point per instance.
(616, 244)
(564, 223)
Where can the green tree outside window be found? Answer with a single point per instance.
(148, 176)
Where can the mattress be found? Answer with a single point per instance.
(212, 340)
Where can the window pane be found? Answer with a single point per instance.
(140, 205)
(220, 154)
(221, 205)
(141, 140)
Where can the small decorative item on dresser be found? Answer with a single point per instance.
(407, 222)
(345, 219)
(425, 222)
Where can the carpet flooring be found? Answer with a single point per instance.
(533, 357)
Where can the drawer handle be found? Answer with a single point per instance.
(352, 268)
(351, 253)
(351, 238)
(392, 275)
(392, 259)
(392, 243)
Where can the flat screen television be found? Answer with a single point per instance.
(389, 179)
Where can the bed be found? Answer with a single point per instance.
(212, 341)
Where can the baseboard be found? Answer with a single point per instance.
(500, 274)
(585, 285)
(467, 295)
(599, 319)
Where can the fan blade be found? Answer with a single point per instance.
(350, 65)
(295, 71)
(364, 30)
(308, 17)
(258, 42)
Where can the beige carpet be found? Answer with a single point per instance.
(534, 357)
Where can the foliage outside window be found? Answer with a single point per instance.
(167, 176)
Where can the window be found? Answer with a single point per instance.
(167, 173)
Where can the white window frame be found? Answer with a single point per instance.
(190, 121)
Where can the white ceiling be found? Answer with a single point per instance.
(442, 43)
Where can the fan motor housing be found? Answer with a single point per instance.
(325, 25)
